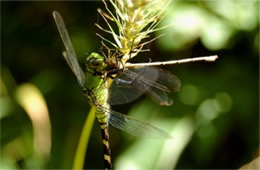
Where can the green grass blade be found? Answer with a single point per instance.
(83, 141)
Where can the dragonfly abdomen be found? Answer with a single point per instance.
(107, 152)
(103, 121)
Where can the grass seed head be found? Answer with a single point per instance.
(135, 20)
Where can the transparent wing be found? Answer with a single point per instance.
(69, 54)
(167, 82)
(127, 87)
(156, 83)
(133, 126)
(75, 67)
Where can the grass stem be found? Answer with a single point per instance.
(78, 163)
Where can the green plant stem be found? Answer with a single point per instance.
(83, 141)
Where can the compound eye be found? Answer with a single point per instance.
(95, 62)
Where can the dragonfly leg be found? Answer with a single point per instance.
(115, 71)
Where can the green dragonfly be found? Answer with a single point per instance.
(108, 81)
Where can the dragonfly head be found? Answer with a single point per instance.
(95, 63)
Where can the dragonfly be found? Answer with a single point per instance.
(108, 81)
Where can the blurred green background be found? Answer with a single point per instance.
(214, 120)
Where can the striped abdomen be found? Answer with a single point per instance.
(103, 121)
